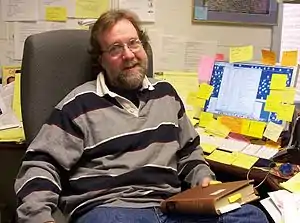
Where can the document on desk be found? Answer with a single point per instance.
(19, 10)
(260, 151)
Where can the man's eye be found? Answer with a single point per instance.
(115, 48)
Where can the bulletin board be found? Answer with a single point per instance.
(263, 89)
(258, 12)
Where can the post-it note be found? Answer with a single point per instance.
(278, 81)
(245, 126)
(205, 118)
(221, 157)
(289, 95)
(58, 14)
(220, 57)
(244, 161)
(208, 148)
(256, 129)
(218, 129)
(205, 91)
(286, 112)
(234, 198)
(268, 57)
(205, 68)
(273, 131)
(289, 58)
(235, 124)
(272, 104)
(241, 54)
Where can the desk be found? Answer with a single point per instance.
(10, 159)
(271, 182)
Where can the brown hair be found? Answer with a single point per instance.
(106, 21)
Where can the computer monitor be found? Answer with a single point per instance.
(241, 90)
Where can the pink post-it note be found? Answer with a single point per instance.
(205, 68)
(220, 57)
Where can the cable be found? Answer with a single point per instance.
(271, 165)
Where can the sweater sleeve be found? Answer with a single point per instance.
(192, 167)
(56, 148)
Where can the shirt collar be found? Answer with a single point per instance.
(102, 88)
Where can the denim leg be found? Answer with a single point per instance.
(246, 214)
(119, 215)
(185, 218)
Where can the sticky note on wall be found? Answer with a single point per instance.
(289, 58)
(58, 14)
(205, 68)
(241, 54)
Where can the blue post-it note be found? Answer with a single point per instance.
(200, 13)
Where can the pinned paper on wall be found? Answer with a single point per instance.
(205, 91)
(241, 54)
(57, 14)
(278, 81)
(268, 57)
(205, 68)
(273, 131)
(289, 58)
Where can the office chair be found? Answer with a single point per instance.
(53, 64)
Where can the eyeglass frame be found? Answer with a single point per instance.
(122, 46)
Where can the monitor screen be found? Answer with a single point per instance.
(240, 90)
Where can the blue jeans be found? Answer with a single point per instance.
(246, 214)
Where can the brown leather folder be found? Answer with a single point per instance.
(211, 199)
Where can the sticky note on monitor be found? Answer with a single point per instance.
(205, 118)
(205, 91)
(278, 81)
(273, 131)
(205, 68)
(241, 54)
(286, 112)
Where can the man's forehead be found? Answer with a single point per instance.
(122, 30)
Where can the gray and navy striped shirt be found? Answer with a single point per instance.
(98, 148)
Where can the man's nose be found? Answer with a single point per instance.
(127, 53)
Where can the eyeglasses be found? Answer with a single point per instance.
(117, 49)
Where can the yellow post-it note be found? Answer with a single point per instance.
(256, 129)
(205, 118)
(241, 54)
(244, 161)
(289, 58)
(286, 112)
(234, 124)
(208, 148)
(90, 9)
(268, 57)
(212, 182)
(205, 91)
(272, 104)
(273, 131)
(293, 184)
(234, 198)
(278, 81)
(58, 14)
(221, 157)
(289, 95)
(194, 100)
(245, 126)
(218, 129)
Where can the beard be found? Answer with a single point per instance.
(131, 77)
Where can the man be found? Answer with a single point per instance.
(115, 147)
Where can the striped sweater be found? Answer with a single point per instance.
(98, 148)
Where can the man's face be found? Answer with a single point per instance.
(126, 69)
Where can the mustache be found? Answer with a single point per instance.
(131, 64)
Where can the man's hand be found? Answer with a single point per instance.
(205, 182)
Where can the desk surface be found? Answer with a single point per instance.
(257, 175)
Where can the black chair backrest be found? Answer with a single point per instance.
(53, 64)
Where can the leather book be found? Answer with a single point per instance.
(214, 199)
